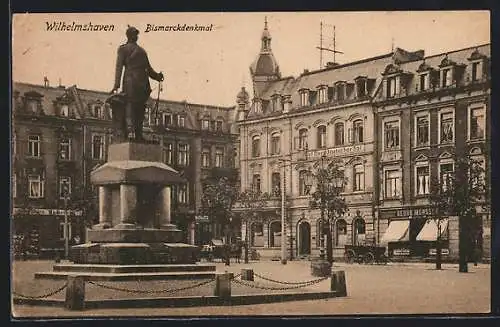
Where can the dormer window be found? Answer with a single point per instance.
(424, 79)
(304, 98)
(181, 121)
(218, 125)
(258, 106)
(340, 91)
(361, 87)
(392, 86)
(447, 70)
(205, 124)
(323, 94)
(32, 106)
(167, 119)
(476, 60)
(275, 103)
(64, 110)
(97, 111)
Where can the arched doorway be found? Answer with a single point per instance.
(304, 231)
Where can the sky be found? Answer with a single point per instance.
(211, 67)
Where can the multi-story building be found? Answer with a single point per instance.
(429, 111)
(59, 134)
(290, 125)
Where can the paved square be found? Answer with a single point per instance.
(371, 289)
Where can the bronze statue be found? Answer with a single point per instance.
(129, 105)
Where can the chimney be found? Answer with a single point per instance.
(45, 81)
(60, 85)
(305, 71)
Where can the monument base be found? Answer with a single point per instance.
(134, 235)
(134, 253)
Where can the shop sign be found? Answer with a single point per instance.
(401, 252)
(407, 212)
(338, 151)
(48, 212)
(443, 252)
(201, 219)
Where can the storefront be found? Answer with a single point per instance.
(413, 233)
(41, 232)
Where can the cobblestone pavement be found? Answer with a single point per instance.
(375, 289)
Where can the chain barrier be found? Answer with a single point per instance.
(290, 283)
(280, 288)
(54, 292)
(114, 288)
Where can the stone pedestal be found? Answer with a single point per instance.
(321, 268)
(134, 168)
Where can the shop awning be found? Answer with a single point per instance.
(396, 231)
(430, 230)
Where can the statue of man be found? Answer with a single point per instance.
(135, 87)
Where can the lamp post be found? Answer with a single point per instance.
(65, 193)
(283, 214)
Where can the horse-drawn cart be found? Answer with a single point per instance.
(365, 254)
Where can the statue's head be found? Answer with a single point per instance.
(132, 33)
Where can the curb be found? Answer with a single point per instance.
(193, 301)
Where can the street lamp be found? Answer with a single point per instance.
(65, 193)
(283, 215)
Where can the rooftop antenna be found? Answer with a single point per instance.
(321, 48)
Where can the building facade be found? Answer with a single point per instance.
(59, 134)
(291, 125)
(428, 112)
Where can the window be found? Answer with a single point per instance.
(392, 184)
(32, 106)
(361, 88)
(97, 111)
(339, 133)
(446, 78)
(64, 110)
(478, 179)
(183, 155)
(276, 184)
(359, 231)
(447, 127)
(219, 157)
(110, 111)
(476, 71)
(181, 121)
(321, 137)
(65, 148)
(359, 178)
(97, 147)
(476, 123)
(303, 138)
(304, 98)
(303, 188)
(275, 143)
(167, 119)
(257, 236)
(323, 95)
(64, 187)
(256, 146)
(256, 183)
(340, 91)
(391, 87)
(34, 146)
(422, 180)
(147, 117)
(275, 105)
(422, 131)
(14, 185)
(36, 186)
(167, 153)
(205, 157)
(446, 175)
(182, 195)
(258, 106)
(275, 234)
(357, 126)
(391, 130)
(205, 124)
(218, 125)
(341, 233)
(424, 82)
